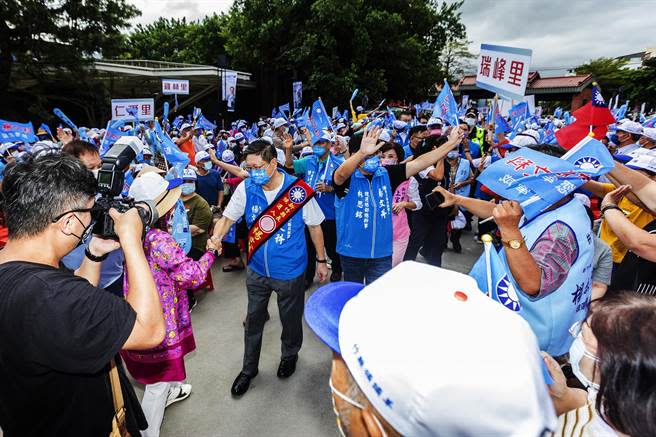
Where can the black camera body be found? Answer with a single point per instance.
(111, 179)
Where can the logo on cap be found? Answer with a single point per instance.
(588, 163)
(507, 295)
(297, 195)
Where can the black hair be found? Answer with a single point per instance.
(400, 154)
(625, 328)
(78, 148)
(40, 188)
(431, 143)
(405, 112)
(548, 149)
(262, 149)
(417, 129)
(354, 143)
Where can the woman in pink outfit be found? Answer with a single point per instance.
(406, 196)
(162, 368)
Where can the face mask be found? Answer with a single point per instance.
(207, 166)
(389, 161)
(319, 150)
(576, 353)
(371, 164)
(259, 176)
(452, 155)
(188, 189)
(351, 402)
(470, 122)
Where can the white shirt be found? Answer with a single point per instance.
(312, 215)
(626, 149)
(413, 193)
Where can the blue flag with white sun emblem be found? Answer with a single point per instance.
(591, 157)
(493, 279)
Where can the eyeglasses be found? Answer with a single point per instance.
(249, 168)
(93, 210)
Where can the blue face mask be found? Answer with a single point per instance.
(371, 164)
(188, 188)
(207, 166)
(259, 176)
(319, 151)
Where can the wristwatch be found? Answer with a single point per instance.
(94, 258)
(322, 261)
(513, 244)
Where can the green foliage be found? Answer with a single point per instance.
(46, 46)
(173, 40)
(608, 72)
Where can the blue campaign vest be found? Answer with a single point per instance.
(551, 316)
(364, 217)
(462, 174)
(284, 255)
(323, 171)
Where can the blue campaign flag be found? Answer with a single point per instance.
(345, 115)
(112, 133)
(46, 128)
(319, 120)
(558, 112)
(274, 111)
(493, 279)
(620, 112)
(178, 121)
(196, 113)
(284, 109)
(204, 123)
(533, 179)
(501, 125)
(549, 134)
(650, 123)
(180, 226)
(355, 93)
(590, 156)
(175, 157)
(445, 105)
(165, 113)
(11, 132)
(59, 113)
(518, 112)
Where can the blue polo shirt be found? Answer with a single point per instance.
(208, 186)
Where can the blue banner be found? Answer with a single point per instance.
(180, 226)
(59, 113)
(13, 132)
(518, 112)
(319, 120)
(445, 106)
(204, 123)
(175, 157)
(590, 156)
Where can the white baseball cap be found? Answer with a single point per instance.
(185, 126)
(146, 151)
(645, 161)
(434, 121)
(153, 187)
(228, 156)
(629, 126)
(434, 355)
(307, 150)
(384, 136)
(525, 139)
(650, 133)
(279, 122)
(202, 155)
(189, 175)
(239, 137)
(359, 109)
(340, 126)
(399, 124)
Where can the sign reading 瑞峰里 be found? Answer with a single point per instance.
(175, 86)
(145, 109)
(503, 70)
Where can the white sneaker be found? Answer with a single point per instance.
(177, 394)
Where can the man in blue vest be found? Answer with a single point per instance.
(317, 170)
(549, 261)
(277, 254)
(363, 206)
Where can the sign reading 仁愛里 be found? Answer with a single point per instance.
(145, 109)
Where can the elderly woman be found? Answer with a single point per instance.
(614, 357)
(162, 368)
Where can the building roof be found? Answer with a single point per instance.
(540, 85)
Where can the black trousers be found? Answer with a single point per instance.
(429, 232)
(291, 303)
(329, 229)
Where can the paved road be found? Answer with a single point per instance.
(299, 406)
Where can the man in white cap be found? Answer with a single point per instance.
(436, 358)
(280, 129)
(628, 134)
(648, 139)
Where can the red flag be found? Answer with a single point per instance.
(569, 136)
(593, 115)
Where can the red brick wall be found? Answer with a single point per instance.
(581, 99)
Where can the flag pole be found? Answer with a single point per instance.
(487, 244)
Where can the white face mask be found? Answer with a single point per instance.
(576, 353)
(95, 172)
(356, 404)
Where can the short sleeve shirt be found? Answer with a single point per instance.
(208, 186)
(59, 334)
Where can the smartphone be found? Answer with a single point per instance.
(434, 199)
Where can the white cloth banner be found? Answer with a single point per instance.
(503, 70)
(297, 89)
(230, 89)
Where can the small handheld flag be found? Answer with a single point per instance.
(59, 113)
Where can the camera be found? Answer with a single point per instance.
(111, 179)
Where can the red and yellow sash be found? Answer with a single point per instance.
(277, 214)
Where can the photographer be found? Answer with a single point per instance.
(59, 331)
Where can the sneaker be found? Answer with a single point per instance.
(177, 394)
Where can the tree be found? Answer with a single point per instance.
(46, 47)
(456, 59)
(386, 48)
(609, 73)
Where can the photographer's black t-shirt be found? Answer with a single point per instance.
(58, 334)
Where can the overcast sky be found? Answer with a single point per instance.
(560, 33)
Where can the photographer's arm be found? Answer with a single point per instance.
(90, 270)
(149, 329)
